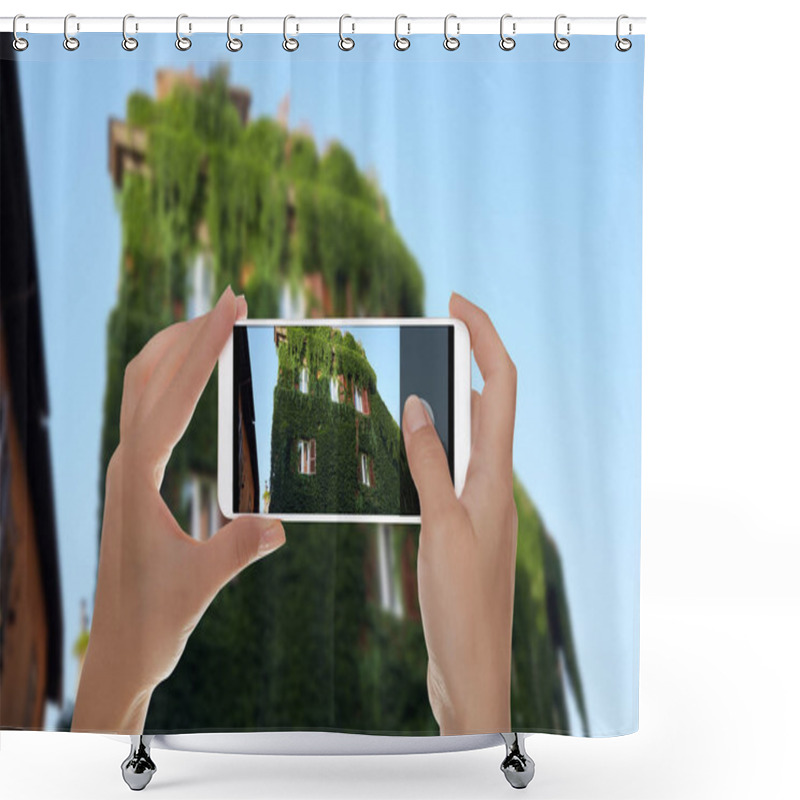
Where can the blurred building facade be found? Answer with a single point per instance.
(31, 627)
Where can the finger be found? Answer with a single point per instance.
(237, 545)
(427, 460)
(159, 359)
(498, 400)
(170, 416)
(475, 411)
(141, 366)
(165, 371)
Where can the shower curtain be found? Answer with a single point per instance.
(375, 181)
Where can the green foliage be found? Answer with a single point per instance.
(303, 160)
(327, 353)
(269, 201)
(540, 613)
(141, 109)
(291, 644)
(341, 434)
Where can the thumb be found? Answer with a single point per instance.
(426, 459)
(238, 544)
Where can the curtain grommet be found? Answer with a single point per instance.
(622, 44)
(451, 43)
(507, 43)
(561, 43)
(401, 43)
(289, 44)
(183, 43)
(233, 44)
(345, 42)
(129, 43)
(18, 43)
(71, 43)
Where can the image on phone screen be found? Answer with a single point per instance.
(317, 415)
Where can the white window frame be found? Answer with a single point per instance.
(202, 497)
(302, 383)
(389, 588)
(358, 402)
(201, 285)
(304, 448)
(334, 390)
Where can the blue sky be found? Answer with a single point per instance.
(514, 178)
(381, 346)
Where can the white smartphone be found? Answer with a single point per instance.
(310, 415)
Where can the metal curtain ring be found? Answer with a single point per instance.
(623, 45)
(70, 42)
(345, 42)
(451, 42)
(561, 43)
(182, 42)
(233, 44)
(19, 44)
(289, 44)
(507, 42)
(401, 42)
(128, 42)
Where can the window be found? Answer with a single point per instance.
(303, 385)
(365, 470)
(292, 303)
(389, 572)
(200, 494)
(361, 399)
(307, 451)
(201, 286)
(334, 390)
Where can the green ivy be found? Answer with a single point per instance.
(341, 434)
(327, 353)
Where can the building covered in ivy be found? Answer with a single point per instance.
(326, 633)
(335, 447)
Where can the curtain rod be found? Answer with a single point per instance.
(298, 25)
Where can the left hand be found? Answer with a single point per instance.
(154, 581)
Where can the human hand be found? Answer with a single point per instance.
(154, 581)
(468, 545)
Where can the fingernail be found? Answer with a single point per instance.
(241, 307)
(414, 414)
(227, 291)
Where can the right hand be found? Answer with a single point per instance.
(468, 545)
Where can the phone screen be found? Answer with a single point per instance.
(317, 415)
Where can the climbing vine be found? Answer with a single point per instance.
(327, 353)
(267, 205)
